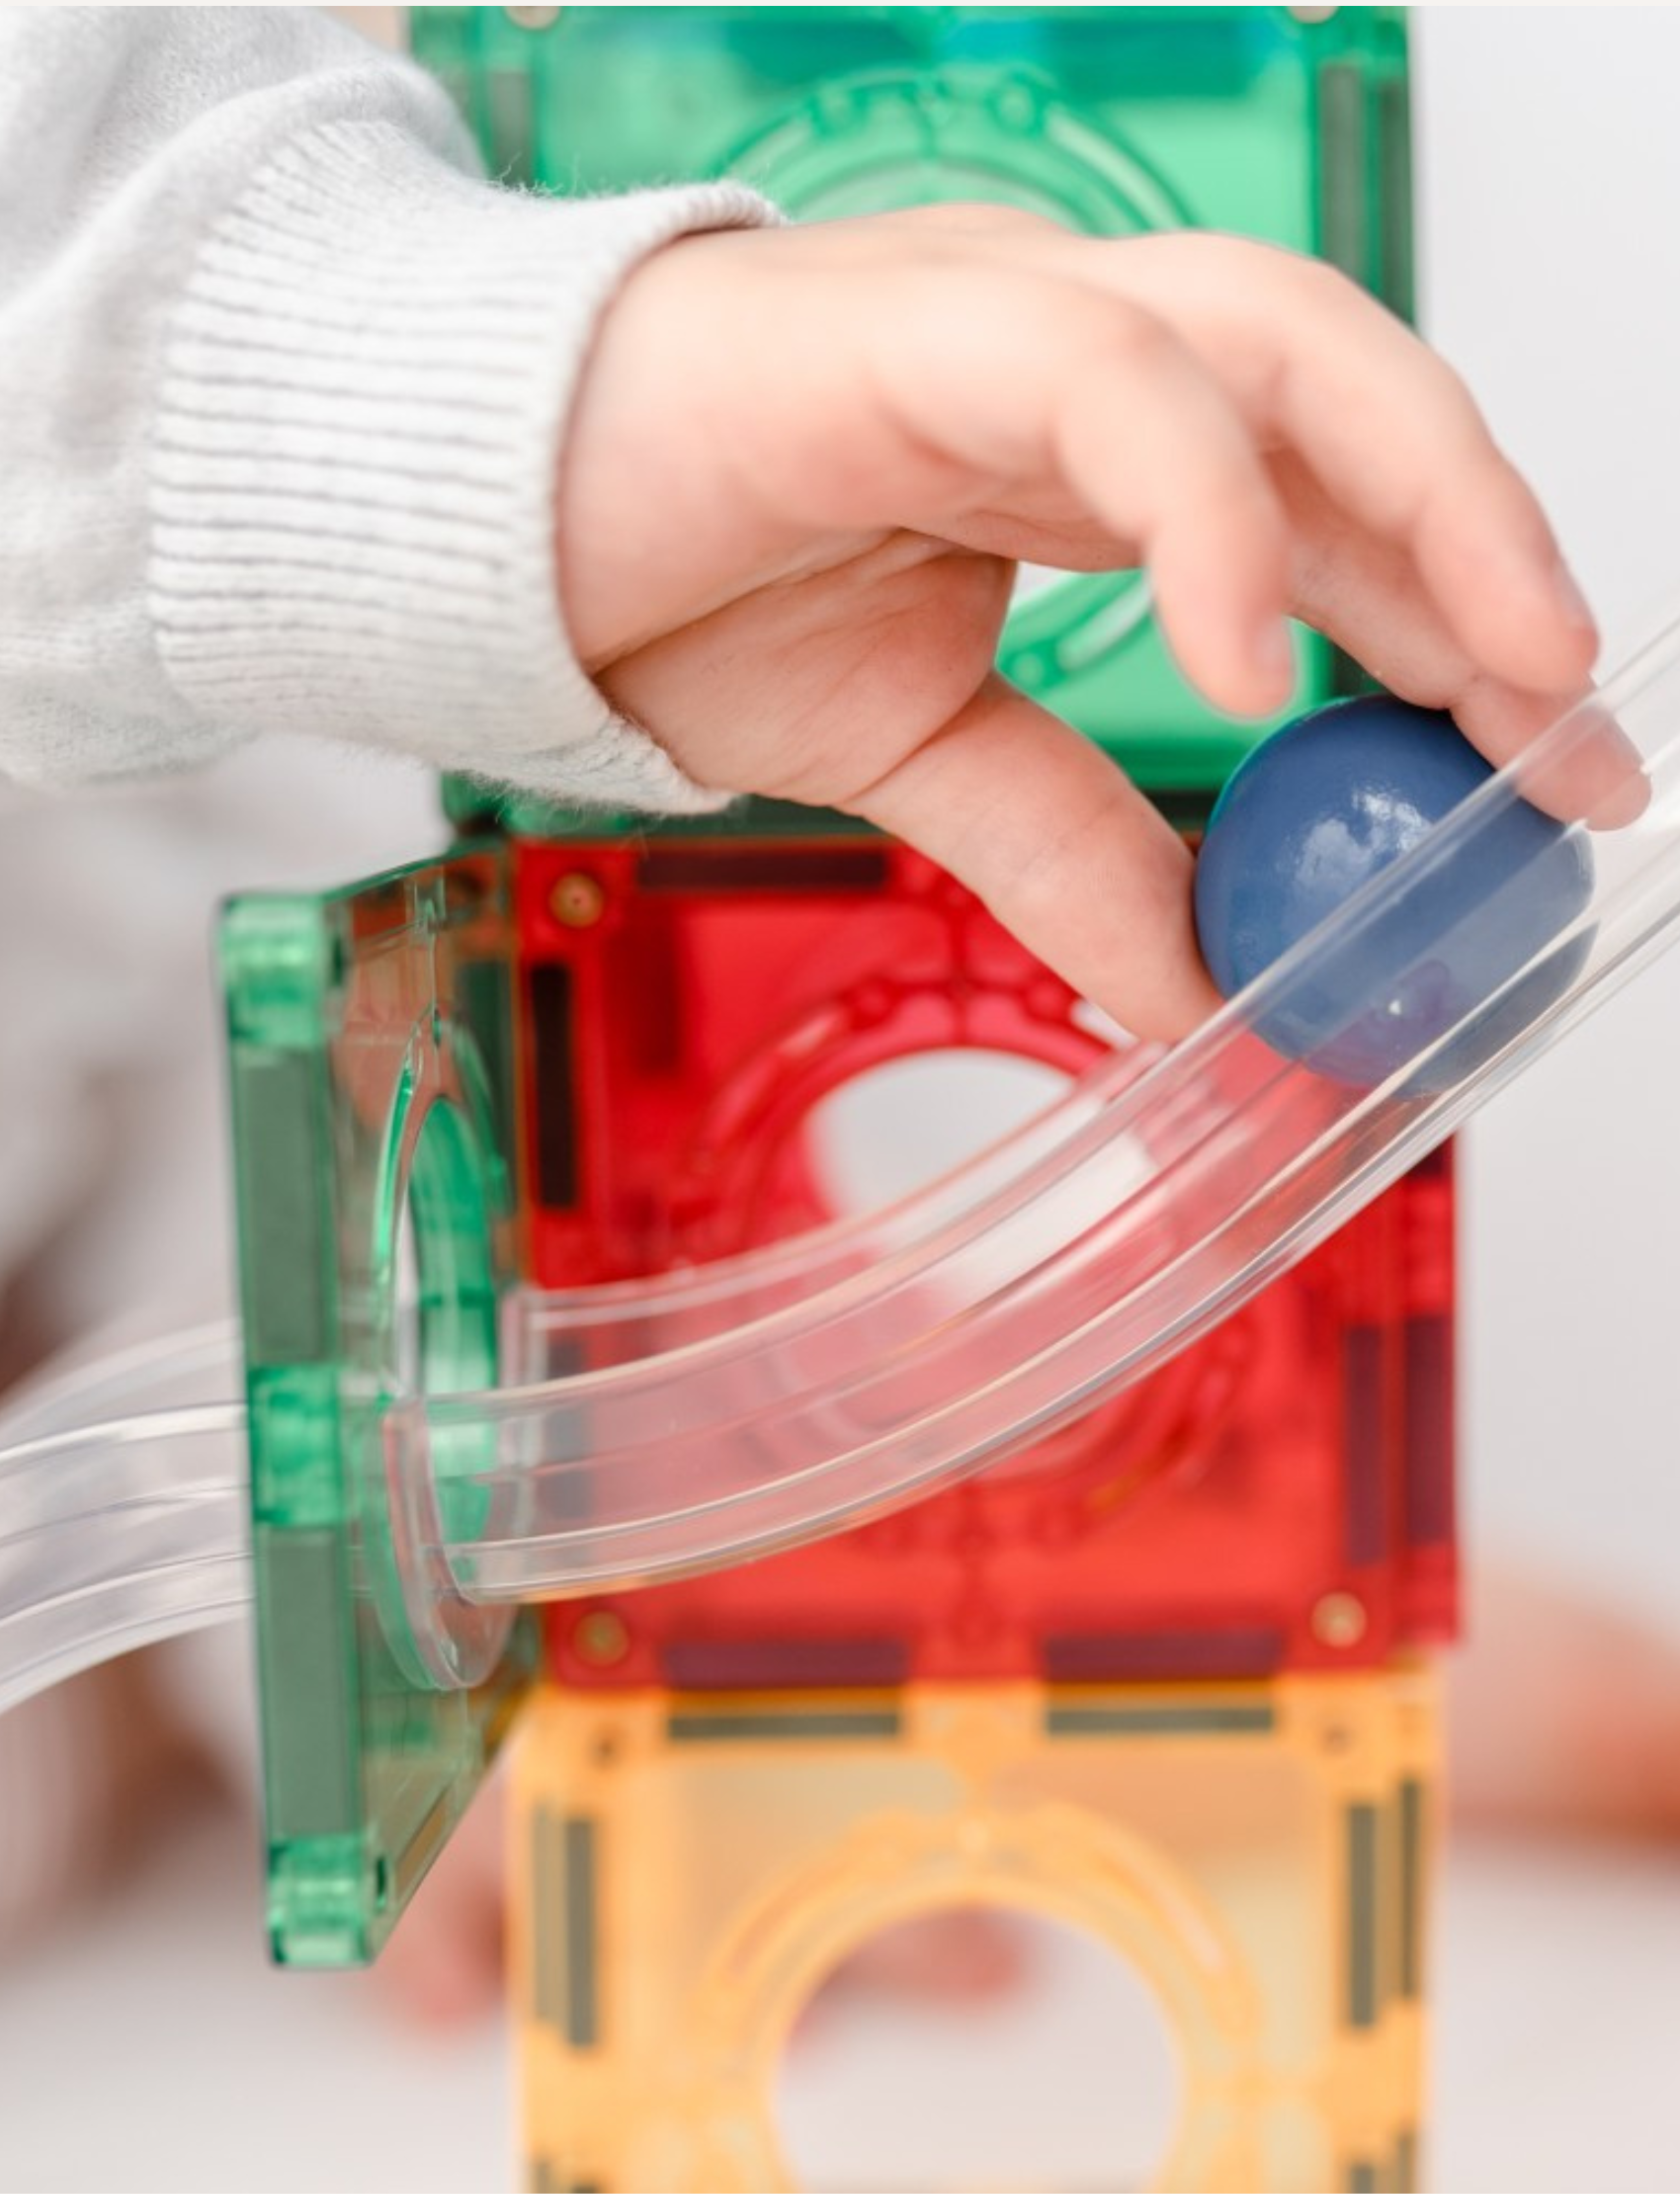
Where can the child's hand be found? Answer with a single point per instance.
(804, 462)
(1566, 1716)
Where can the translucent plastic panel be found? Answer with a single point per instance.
(1282, 1495)
(759, 1400)
(688, 1872)
(367, 1034)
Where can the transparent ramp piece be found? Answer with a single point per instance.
(667, 1426)
(123, 1508)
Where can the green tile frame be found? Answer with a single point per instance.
(368, 1041)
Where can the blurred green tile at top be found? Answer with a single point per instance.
(1289, 125)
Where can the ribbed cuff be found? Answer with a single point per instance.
(352, 483)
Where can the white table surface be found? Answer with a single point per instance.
(147, 2045)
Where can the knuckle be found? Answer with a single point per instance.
(1134, 337)
(1312, 283)
(974, 219)
(1317, 281)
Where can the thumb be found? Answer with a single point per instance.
(1062, 848)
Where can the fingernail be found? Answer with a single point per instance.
(1628, 789)
(1597, 777)
(1572, 601)
(1624, 804)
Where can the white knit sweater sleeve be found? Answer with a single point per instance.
(282, 387)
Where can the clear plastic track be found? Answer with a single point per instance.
(117, 1530)
(641, 1431)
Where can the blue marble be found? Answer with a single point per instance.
(1324, 804)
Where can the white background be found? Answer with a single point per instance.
(148, 2046)
(1549, 172)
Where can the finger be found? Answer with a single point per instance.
(444, 1963)
(966, 1954)
(1366, 596)
(1189, 485)
(1389, 430)
(1564, 1715)
(1063, 848)
(1035, 380)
